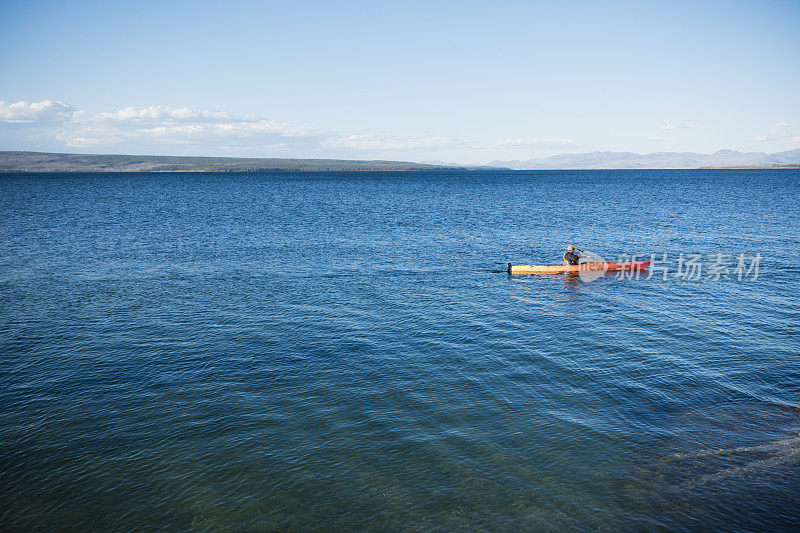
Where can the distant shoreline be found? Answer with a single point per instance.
(61, 162)
(47, 162)
(752, 167)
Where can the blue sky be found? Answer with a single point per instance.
(453, 81)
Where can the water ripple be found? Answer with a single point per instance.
(297, 352)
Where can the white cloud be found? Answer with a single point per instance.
(656, 139)
(536, 143)
(678, 125)
(374, 142)
(795, 140)
(779, 131)
(56, 125)
(47, 111)
(179, 126)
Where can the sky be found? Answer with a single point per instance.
(462, 82)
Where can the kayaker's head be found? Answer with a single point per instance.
(570, 248)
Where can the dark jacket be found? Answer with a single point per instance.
(570, 258)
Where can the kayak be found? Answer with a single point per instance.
(585, 267)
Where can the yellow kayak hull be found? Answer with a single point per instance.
(585, 267)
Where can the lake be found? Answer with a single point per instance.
(300, 351)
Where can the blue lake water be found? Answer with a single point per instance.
(293, 351)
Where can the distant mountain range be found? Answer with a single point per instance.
(610, 160)
(48, 162)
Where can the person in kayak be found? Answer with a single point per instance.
(570, 257)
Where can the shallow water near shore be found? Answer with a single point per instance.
(295, 351)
